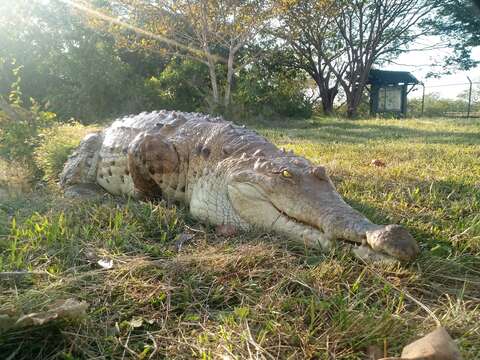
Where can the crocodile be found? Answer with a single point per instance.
(227, 176)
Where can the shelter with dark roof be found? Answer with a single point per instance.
(389, 90)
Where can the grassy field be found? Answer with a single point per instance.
(256, 296)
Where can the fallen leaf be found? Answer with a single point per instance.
(136, 322)
(378, 163)
(105, 263)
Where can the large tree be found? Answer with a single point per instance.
(213, 32)
(65, 64)
(340, 41)
(308, 28)
(372, 31)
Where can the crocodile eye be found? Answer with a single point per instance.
(286, 174)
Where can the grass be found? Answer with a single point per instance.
(257, 295)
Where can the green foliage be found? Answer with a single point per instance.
(182, 85)
(79, 71)
(458, 22)
(260, 90)
(15, 96)
(19, 134)
(436, 106)
(73, 69)
(55, 145)
(18, 139)
(268, 89)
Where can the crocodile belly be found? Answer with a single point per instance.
(112, 172)
(113, 175)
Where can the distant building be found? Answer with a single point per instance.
(389, 90)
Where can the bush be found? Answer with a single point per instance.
(261, 91)
(19, 137)
(55, 145)
(182, 86)
(436, 106)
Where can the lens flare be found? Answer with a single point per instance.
(100, 15)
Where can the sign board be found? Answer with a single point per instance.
(390, 99)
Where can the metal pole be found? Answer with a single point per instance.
(469, 98)
(423, 99)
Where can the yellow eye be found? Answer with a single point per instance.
(286, 173)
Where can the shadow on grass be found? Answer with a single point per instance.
(344, 131)
(35, 342)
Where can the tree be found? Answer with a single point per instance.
(458, 23)
(76, 71)
(213, 32)
(181, 85)
(267, 88)
(371, 31)
(308, 28)
(337, 41)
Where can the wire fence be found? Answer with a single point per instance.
(455, 100)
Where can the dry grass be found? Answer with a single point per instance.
(14, 178)
(257, 295)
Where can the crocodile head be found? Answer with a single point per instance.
(289, 195)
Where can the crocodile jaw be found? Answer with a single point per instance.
(373, 242)
(254, 207)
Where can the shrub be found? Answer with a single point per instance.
(56, 144)
(261, 91)
(20, 125)
(436, 106)
(18, 137)
(181, 86)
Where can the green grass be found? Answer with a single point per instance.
(257, 295)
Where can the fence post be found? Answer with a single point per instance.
(423, 99)
(469, 98)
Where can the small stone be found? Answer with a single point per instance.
(437, 345)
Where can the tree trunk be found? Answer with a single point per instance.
(351, 112)
(328, 97)
(353, 101)
(213, 80)
(228, 85)
(327, 94)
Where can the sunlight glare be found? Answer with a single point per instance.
(95, 13)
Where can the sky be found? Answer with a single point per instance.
(419, 64)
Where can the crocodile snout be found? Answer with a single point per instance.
(393, 240)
